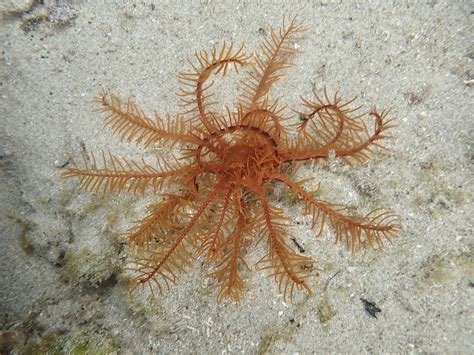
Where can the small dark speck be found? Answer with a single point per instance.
(262, 31)
(152, 6)
(51, 93)
(426, 165)
(371, 308)
(60, 259)
(471, 284)
(292, 320)
(298, 245)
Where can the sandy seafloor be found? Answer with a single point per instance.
(62, 289)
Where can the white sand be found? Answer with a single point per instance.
(58, 257)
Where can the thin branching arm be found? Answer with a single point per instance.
(163, 218)
(226, 271)
(196, 94)
(115, 174)
(289, 268)
(355, 232)
(277, 53)
(132, 124)
(328, 124)
(162, 264)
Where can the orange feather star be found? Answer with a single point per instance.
(228, 162)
